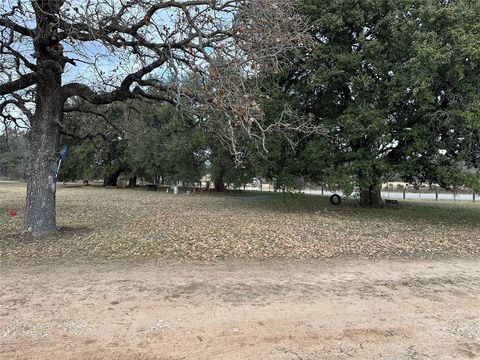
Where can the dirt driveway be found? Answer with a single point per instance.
(242, 310)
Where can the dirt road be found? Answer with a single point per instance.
(242, 310)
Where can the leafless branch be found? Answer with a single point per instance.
(109, 51)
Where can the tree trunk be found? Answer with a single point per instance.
(219, 183)
(371, 196)
(110, 179)
(44, 125)
(40, 216)
(132, 182)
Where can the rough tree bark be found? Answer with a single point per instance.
(40, 202)
(40, 215)
(132, 182)
(370, 188)
(219, 182)
(371, 196)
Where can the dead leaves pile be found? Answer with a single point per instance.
(103, 224)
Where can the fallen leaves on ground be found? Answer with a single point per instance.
(98, 223)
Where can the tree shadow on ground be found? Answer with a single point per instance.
(19, 237)
(450, 214)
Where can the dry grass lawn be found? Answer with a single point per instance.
(415, 296)
(101, 224)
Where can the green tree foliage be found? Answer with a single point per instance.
(224, 170)
(397, 85)
(79, 163)
(155, 143)
(12, 155)
(164, 145)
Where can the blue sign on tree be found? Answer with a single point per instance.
(63, 155)
(64, 152)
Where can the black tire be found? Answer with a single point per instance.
(335, 199)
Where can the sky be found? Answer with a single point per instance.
(100, 66)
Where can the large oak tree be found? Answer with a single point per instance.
(397, 85)
(57, 54)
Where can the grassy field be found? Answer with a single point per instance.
(101, 224)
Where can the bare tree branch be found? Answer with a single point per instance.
(21, 83)
(224, 43)
(17, 28)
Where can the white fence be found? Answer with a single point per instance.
(408, 194)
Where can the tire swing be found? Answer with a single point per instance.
(335, 199)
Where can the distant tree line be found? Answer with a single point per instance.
(156, 143)
(12, 155)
